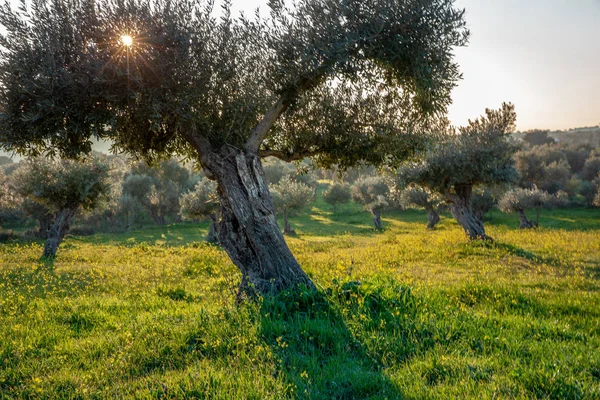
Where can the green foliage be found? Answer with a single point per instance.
(276, 169)
(538, 137)
(591, 168)
(290, 197)
(10, 201)
(371, 192)
(597, 184)
(481, 154)
(336, 194)
(520, 199)
(483, 201)
(191, 81)
(547, 167)
(414, 196)
(201, 202)
(158, 189)
(588, 190)
(62, 183)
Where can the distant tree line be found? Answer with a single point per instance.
(467, 172)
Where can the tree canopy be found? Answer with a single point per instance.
(193, 80)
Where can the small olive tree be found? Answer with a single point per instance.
(203, 202)
(62, 187)
(372, 192)
(591, 168)
(336, 194)
(158, 188)
(480, 154)
(290, 197)
(415, 196)
(588, 190)
(520, 199)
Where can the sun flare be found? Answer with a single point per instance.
(127, 40)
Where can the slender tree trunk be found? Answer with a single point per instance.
(462, 211)
(287, 228)
(248, 229)
(58, 231)
(433, 217)
(377, 218)
(524, 222)
(212, 236)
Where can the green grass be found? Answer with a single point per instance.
(403, 313)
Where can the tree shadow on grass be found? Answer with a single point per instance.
(337, 344)
(528, 255)
(317, 353)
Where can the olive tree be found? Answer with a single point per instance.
(521, 199)
(372, 192)
(588, 191)
(340, 81)
(479, 154)
(62, 187)
(203, 202)
(336, 194)
(415, 196)
(158, 188)
(290, 197)
(591, 168)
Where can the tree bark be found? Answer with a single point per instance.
(248, 229)
(433, 217)
(526, 223)
(58, 231)
(377, 218)
(462, 211)
(479, 214)
(45, 225)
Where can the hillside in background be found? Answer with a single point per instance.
(579, 136)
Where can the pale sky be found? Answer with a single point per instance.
(542, 55)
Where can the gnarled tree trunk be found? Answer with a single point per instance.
(433, 217)
(462, 211)
(248, 229)
(526, 223)
(58, 231)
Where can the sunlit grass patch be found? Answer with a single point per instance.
(403, 313)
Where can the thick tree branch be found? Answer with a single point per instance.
(263, 128)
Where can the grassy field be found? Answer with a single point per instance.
(403, 313)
